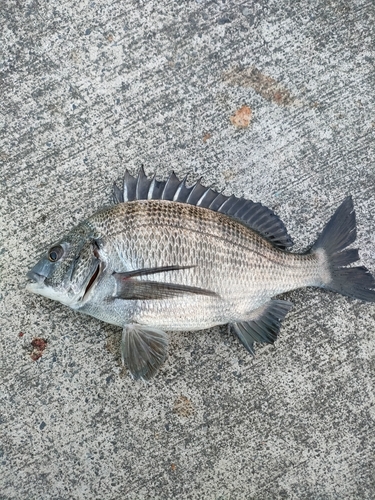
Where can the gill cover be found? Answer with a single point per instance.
(65, 272)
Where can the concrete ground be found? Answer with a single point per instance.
(272, 100)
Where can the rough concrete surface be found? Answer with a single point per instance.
(272, 100)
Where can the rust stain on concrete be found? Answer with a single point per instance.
(39, 345)
(264, 85)
(183, 407)
(242, 117)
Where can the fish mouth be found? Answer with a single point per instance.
(35, 278)
(91, 282)
(38, 274)
(36, 283)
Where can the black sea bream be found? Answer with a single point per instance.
(167, 256)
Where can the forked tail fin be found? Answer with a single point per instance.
(332, 245)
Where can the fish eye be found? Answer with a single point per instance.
(55, 253)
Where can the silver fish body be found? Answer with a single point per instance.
(219, 254)
(173, 263)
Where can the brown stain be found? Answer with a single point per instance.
(242, 117)
(206, 136)
(21, 334)
(183, 407)
(229, 175)
(39, 345)
(173, 467)
(264, 85)
(113, 344)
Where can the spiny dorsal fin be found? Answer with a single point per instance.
(253, 215)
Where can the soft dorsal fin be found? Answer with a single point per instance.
(253, 215)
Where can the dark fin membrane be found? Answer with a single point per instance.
(340, 232)
(130, 185)
(129, 288)
(170, 187)
(264, 325)
(253, 215)
(143, 350)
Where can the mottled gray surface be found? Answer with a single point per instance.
(89, 88)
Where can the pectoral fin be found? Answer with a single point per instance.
(131, 288)
(263, 325)
(143, 350)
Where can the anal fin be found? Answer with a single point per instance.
(263, 324)
(143, 350)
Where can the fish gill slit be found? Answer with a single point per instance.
(92, 279)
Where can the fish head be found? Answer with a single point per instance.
(68, 271)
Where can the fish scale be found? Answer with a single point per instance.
(168, 256)
(244, 269)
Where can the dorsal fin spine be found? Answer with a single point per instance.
(227, 201)
(195, 188)
(151, 187)
(178, 190)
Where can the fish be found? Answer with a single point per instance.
(168, 256)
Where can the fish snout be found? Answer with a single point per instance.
(40, 271)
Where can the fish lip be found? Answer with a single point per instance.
(35, 278)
